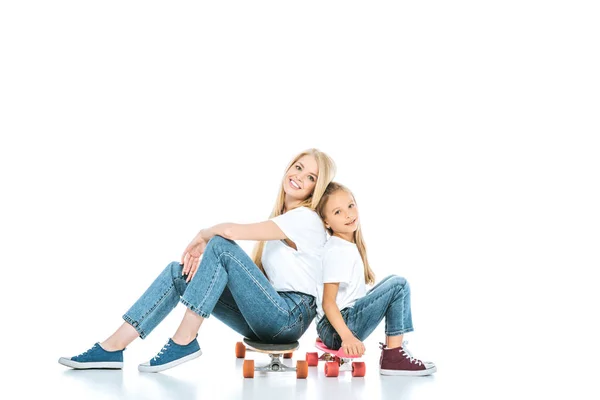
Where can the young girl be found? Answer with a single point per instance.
(232, 286)
(346, 270)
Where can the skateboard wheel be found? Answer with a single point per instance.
(301, 369)
(358, 369)
(248, 368)
(332, 369)
(288, 355)
(240, 350)
(312, 359)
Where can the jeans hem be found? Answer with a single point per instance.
(194, 308)
(135, 325)
(400, 332)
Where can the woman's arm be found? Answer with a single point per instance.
(266, 230)
(350, 344)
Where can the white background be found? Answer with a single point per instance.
(467, 130)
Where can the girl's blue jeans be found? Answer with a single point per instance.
(229, 286)
(389, 299)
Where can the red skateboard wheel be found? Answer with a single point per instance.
(312, 359)
(359, 369)
(332, 369)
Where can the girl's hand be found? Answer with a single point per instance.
(353, 347)
(191, 256)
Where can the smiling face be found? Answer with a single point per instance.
(341, 215)
(300, 180)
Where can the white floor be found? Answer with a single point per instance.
(218, 374)
(482, 369)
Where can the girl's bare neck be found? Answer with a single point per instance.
(349, 237)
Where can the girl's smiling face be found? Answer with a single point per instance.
(300, 180)
(341, 214)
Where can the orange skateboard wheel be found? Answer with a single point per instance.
(301, 369)
(248, 369)
(240, 350)
(332, 369)
(312, 359)
(288, 355)
(359, 369)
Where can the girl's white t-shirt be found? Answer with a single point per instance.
(342, 264)
(299, 270)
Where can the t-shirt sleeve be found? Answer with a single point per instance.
(303, 227)
(337, 265)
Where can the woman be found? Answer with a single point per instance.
(229, 284)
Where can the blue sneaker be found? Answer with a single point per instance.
(171, 356)
(96, 357)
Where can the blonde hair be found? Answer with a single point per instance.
(326, 173)
(332, 188)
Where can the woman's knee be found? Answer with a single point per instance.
(175, 268)
(399, 283)
(218, 243)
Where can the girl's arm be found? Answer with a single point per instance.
(267, 230)
(350, 344)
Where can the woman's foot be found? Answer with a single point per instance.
(398, 361)
(171, 355)
(95, 357)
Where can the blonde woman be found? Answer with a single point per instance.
(347, 313)
(227, 283)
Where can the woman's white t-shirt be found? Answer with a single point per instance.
(299, 270)
(342, 264)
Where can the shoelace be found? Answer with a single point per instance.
(87, 351)
(162, 351)
(407, 354)
(404, 352)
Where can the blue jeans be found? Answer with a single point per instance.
(229, 286)
(390, 298)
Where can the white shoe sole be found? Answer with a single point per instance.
(90, 365)
(427, 371)
(146, 367)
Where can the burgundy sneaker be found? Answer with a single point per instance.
(398, 361)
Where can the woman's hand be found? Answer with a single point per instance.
(353, 347)
(191, 256)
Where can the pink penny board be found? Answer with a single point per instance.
(334, 358)
(339, 353)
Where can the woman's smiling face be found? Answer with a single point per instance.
(300, 180)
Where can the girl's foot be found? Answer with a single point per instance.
(171, 355)
(398, 361)
(96, 357)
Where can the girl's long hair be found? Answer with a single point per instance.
(326, 174)
(332, 188)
